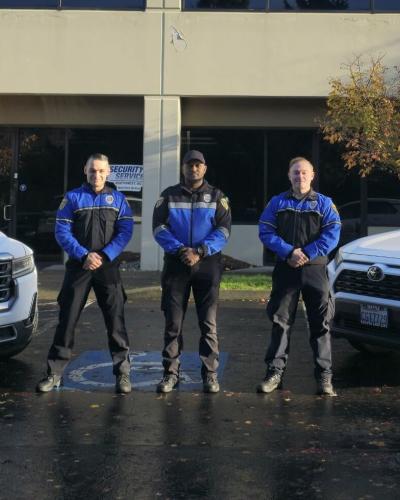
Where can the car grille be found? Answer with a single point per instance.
(5, 280)
(358, 283)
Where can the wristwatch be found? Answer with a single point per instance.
(200, 252)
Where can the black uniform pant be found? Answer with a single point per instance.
(177, 280)
(287, 283)
(110, 295)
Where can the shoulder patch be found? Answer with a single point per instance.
(63, 203)
(334, 208)
(225, 202)
(159, 202)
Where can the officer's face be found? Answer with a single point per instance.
(194, 171)
(301, 175)
(96, 174)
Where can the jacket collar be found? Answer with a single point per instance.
(203, 187)
(107, 188)
(312, 195)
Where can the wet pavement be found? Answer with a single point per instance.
(92, 443)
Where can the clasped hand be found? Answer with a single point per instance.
(298, 258)
(189, 256)
(93, 261)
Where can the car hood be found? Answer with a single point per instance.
(378, 245)
(13, 247)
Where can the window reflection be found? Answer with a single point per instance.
(73, 4)
(103, 4)
(319, 4)
(235, 160)
(226, 4)
(29, 4)
(386, 5)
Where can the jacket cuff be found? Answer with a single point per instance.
(203, 250)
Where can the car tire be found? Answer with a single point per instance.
(374, 350)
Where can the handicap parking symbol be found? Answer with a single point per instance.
(92, 371)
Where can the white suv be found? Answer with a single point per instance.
(365, 280)
(18, 296)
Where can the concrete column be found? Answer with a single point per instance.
(161, 164)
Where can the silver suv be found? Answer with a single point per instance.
(18, 296)
(365, 280)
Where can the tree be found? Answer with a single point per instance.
(363, 114)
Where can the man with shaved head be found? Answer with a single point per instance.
(301, 227)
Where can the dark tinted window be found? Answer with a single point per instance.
(122, 146)
(29, 4)
(41, 179)
(282, 146)
(73, 4)
(319, 4)
(381, 207)
(235, 160)
(341, 184)
(226, 4)
(351, 211)
(387, 5)
(103, 4)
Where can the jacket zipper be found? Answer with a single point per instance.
(191, 223)
(294, 227)
(297, 213)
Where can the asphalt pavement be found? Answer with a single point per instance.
(84, 441)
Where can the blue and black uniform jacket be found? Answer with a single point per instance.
(87, 222)
(312, 224)
(185, 218)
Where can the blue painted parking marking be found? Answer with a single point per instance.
(92, 371)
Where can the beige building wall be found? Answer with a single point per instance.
(216, 53)
(165, 68)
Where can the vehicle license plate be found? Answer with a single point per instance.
(373, 315)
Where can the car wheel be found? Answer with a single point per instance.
(369, 348)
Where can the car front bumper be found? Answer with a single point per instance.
(347, 324)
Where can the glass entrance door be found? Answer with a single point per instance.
(40, 189)
(8, 182)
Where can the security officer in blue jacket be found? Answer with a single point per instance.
(192, 223)
(301, 227)
(93, 225)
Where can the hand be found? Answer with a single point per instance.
(298, 258)
(189, 256)
(93, 261)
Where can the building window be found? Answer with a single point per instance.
(386, 5)
(225, 4)
(296, 5)
(250, 166)
(320, 5)
(74, 4)
(103, 4)
(235, 160)
(122, 146)
(37, 165)
(29, 4)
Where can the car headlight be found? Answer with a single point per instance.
(22, 266)
(338, 258)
